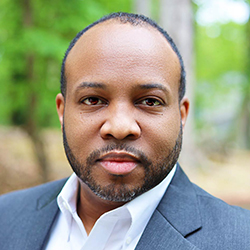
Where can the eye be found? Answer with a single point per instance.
(151, 102)
(92, 101)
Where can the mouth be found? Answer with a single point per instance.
(118, 162)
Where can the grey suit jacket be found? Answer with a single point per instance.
(186, 218)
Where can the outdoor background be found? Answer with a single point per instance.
(214, 39)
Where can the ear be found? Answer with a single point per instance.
(184, 109)
(60, 105)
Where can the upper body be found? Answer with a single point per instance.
(123, 226)
(122, 110)
(186, 218)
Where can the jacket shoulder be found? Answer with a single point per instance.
(26, 216)
(204, 220)
(29, 197)
(222, 224)
(207, 201)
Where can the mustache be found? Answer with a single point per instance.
(96, 154)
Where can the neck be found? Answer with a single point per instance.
(90, 207)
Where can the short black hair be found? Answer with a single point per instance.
(135, 20)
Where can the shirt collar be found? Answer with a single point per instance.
(140, 209)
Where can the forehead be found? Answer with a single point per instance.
(120, 49)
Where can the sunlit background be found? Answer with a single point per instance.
(214, 39)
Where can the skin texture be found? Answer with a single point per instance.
(121, 107)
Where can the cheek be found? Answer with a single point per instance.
(81, 131)
(162, 133)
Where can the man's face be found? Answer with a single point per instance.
(121, 116)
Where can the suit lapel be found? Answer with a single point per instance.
(161, 235)
(41, 222)
(30, 228)
(176, 216)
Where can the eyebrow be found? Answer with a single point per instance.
(95, 85)
(98, 85)
(154, 86)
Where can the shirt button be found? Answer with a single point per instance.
(128, 240)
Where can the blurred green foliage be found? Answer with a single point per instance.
(40, 30)
(220, 65)
(223, 82)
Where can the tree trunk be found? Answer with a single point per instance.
(244, 128)
(30, 125)
(176, 16)
(244, 118)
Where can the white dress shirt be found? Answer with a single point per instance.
(118, 229)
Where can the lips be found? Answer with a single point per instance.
(118, 163)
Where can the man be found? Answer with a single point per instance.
(122, 110)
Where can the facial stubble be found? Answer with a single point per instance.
(121, 192)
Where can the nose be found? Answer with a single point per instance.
(120, 124)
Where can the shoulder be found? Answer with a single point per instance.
(27, 215)
(216, 209)
(30, 196)
(206, 221)
(222, 224)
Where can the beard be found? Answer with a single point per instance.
(121, 192)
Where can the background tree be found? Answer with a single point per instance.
(222, 70)
(176, 16)
(34, 36)
(244, 114)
